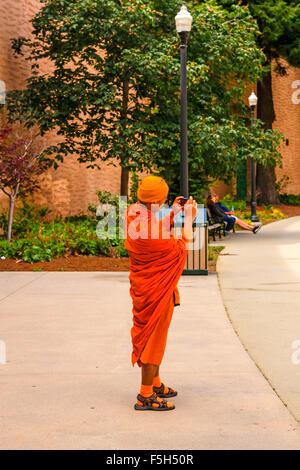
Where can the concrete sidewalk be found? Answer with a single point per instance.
(260, 282)
(69, 384)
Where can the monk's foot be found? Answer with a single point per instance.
(164, 392)
(153, 403)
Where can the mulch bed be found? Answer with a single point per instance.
(75, 263)
(70, 263)
(290, 211)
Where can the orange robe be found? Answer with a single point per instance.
(156, 264)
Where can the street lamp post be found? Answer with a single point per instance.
(252, 103)
(183, 26)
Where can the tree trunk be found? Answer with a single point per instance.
(10, 217)
(124, 181)
(124, 112)
(265, 176)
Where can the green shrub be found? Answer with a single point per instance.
(229, 202)
(3, 221)
(79, 218)
(120, 250)
(291, 199)
(38, 239)
(28, 218)
(33, 250)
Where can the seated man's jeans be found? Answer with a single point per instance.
(230, 222)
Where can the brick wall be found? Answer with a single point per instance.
(286, 95)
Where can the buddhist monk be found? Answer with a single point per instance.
(157, 260)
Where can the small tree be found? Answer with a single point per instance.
(20, 167)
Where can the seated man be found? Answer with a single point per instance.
(229, 215)
(219, 215)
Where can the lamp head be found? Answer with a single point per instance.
(252, 99)
(183, 20)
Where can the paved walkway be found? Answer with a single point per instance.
(69, 384)
(260, 281)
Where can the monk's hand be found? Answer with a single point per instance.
(190, 212)
(177, 206)
(190, 209)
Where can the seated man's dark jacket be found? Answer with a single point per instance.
(217, 214)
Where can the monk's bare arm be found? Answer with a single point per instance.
(190, 212)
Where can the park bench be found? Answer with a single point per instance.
(214, 228)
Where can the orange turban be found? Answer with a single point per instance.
(152, 189)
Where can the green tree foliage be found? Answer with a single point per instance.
(113, 91)
(279, 26)
(223, 59)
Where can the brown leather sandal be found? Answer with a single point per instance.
(160, 391)
(152, 403)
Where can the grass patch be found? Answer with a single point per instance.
(213, 253)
